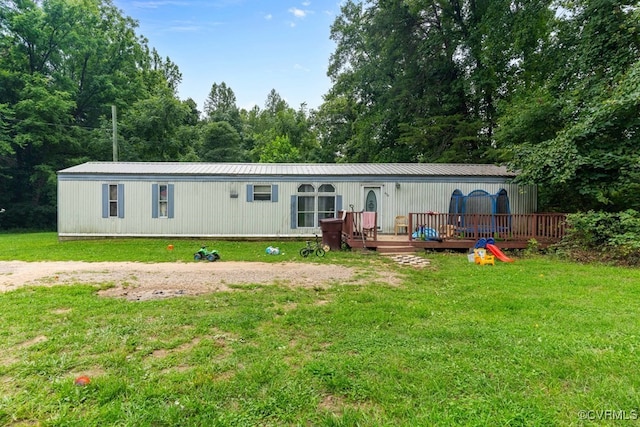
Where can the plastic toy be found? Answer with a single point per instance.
(481, 257)
(204, 253)
(488, 245)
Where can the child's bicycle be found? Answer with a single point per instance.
(309, 249)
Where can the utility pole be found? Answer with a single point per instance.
(114, 119)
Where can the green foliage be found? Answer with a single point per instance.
(151, 126)
(278, 150)
(64, 63)
(423, 78)
(220, 106)
(220, 142)
(610, 236)
(442, 139)
(577, 130)
(279, 133)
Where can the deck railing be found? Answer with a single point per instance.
(352, 226)
(544, 227)
(539, 226)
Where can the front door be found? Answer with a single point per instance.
(372, 202)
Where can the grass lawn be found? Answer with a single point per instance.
(537, 342)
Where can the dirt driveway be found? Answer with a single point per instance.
(139, 281)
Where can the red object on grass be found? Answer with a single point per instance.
(498, 253)
(82, 380)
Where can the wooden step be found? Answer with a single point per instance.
(396, 249)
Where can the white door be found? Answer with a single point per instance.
(372, 202)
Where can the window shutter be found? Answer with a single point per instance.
(274, 193)
(170, 201)
(249, 193)
(294, 212)
(120, 200)
(154, 200)
(105, 200)
(338, 204)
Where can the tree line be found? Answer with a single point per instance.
(549, 88)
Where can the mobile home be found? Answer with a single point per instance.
(251, 200)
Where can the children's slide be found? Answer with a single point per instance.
(498, 253)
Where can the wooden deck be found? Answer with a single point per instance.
(430, 230)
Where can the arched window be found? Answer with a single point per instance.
(326, 188)
(313, 206)
(306, 188)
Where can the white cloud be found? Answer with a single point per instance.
(298, 13)
(301, 68)
(268, 16)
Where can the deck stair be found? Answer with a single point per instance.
(396, 249)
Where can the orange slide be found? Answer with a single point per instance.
(498, 253)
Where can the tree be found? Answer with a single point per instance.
(274, 103)
(63, 65)
(332, 123)
(576, 132)
(279, 150)
(281, 129)
(166, 71)
(409, 69)
(151, 125)
(597, 154)
(220, 105)
(220, 142)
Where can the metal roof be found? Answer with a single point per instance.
(288, 169)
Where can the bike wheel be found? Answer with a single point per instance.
(320, 252)
(211, 258)
(304, 252)
(197, 257)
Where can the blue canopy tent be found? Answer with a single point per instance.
(480, 207)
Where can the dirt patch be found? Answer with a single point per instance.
(139, 281)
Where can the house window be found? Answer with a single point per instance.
(163, 201)
(306, 206)
(326, 202)
(262, 193)
(113, 200)
(312, 205)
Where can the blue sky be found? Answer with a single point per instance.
(251, 45)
